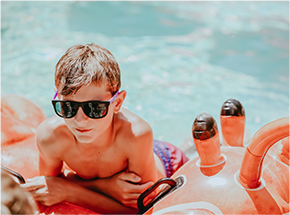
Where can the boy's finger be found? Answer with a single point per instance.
(40, 199)
(39, 194)
(146, 185)
(140, 188)
(31, 187)
(132, 177)
(131, 203)
(36, 178)
(133, 196)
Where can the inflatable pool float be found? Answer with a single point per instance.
(227, 179)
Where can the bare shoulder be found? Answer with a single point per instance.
(133, 123)
(52, 135)
(133, 129)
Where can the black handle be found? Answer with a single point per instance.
(17, 175)
(140, 204)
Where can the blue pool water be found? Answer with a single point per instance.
(178, 59)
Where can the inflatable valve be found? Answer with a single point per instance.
(232, 123)
(207, 143)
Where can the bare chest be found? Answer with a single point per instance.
(96, 164)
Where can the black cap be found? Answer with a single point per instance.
(204, 127)
(232, 107)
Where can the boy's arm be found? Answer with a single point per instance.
(49, 190)
(98, 202)
(123, 186)
(141, 159)
(140, 155)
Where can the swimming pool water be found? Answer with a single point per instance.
(177, 59)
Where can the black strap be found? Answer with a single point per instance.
(17, 175)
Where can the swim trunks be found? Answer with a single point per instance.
(171, 156)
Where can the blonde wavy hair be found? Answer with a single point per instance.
(84, 64)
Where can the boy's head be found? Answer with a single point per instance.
(82, 65)
(84, 75)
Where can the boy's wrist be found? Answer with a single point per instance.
(71, 192)
(101, 185)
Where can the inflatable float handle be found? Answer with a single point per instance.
(268, 135)
(140, 204)
(17, 175)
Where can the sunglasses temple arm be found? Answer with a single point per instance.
(55, 95)
(114, 97)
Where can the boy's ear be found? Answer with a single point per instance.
(119, 101)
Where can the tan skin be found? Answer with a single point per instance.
(98, 151)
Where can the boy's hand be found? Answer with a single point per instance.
(124, 188)
(48, 190)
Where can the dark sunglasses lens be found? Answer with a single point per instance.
(66, 109)
(96, 110)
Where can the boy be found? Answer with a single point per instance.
(108, 148)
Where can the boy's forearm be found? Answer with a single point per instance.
(121, 188)
(98, 185)
(96, 201)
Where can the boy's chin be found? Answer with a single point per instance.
(84, 139)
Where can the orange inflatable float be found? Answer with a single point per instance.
(19, 121)
(230, 179)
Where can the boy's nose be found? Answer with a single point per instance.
(81, 116)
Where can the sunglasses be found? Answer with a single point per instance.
(92, 109)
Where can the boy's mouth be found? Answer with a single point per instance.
(82, 130)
